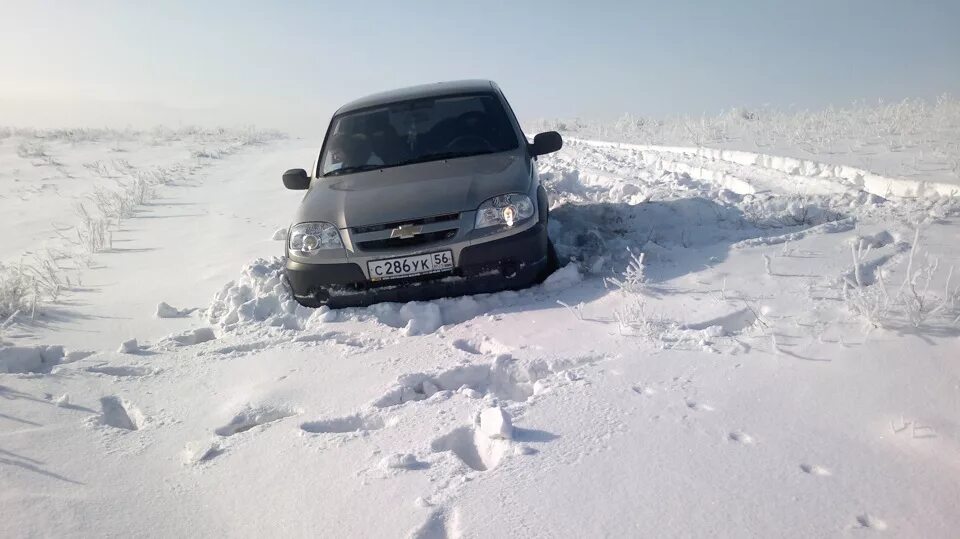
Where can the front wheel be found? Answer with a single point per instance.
(553, 262)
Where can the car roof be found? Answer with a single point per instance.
(436, 89)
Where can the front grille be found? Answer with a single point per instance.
(407, 243)
(423, 221)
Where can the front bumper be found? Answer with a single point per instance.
(506, 263)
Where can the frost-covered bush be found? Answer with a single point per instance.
(93, 232)
(24, 285)
(16, 291)
(31, 149)
(632, 316)
(205, 153)
(632, 280)
(917, 301)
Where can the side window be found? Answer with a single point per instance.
(332, 159)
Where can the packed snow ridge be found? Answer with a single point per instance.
(260, 297)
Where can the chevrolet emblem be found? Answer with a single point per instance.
(406, 231)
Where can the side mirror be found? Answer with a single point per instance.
(296, 178)
(544, 143)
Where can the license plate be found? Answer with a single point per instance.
(410, 266)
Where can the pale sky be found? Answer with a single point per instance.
(291, 64)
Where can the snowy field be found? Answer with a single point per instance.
(749, 338)
(911, 139)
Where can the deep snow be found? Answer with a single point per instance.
(709, 362)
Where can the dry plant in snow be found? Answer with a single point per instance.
(917, 300)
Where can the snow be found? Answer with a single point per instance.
(129, 346)
(495, 423)
(420, 318)
(165, 310)
(401, 461)
(191, 337)
(565, 277)
(913, 140)
(29, 359)
(767, 337)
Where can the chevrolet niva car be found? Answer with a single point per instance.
(420, 193)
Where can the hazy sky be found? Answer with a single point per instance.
(290, 64)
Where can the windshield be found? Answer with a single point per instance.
(417, 131)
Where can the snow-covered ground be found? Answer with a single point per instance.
(912, 139)
(739, 345)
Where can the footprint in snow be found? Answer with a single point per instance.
(253, 417)
(201, 452)
(472, 447)
(699, 406)
(121, 414)
(741, 438)
(870, 522)
(483, 346)
(465, 346)
(440, 524)
(121, 371)
(356, 423)
(813, 469)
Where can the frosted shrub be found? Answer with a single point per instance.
(252, 136)
(23, 286)
(45, 276)
(204, 153)
(632, 317)
(16, 290)
(31, 150)
(92, 232)
(139, 190)
(98, 168)
(916, 301)
(918, 298)
(872, 303)
(632, 280)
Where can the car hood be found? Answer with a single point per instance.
(414, 191)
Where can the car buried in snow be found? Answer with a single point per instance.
(420, 193)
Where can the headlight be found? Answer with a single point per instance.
(504, 210)
(307, 239)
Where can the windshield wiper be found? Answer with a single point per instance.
(421, 159)
(439, 157)
(358, 168)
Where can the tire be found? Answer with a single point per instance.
(553, 262)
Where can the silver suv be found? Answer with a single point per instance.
(420, 193)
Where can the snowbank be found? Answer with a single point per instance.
(190, 337)
(863, 179)
(29, 359)
(165, 310)
(260, 297)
